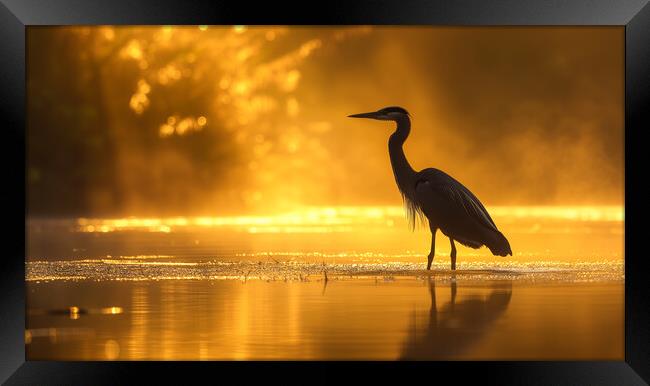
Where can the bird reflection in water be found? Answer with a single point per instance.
(453, 328)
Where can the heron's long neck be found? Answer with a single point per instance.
(404, 173)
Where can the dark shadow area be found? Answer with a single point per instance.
(451, 329)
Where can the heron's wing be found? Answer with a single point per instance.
(457, 195)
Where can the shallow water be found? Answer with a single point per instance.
(324, 283)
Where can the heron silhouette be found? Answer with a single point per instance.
(432, 193)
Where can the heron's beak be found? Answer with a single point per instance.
(364, 115)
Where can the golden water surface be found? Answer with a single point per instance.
(324, 283)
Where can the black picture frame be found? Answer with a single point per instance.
(16, 15)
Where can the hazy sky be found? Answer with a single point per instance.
(520, 115)
(255, 118)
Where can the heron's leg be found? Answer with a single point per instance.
(433, 246)
(453, 254)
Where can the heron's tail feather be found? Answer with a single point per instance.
(499, 245)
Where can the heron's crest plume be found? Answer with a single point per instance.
(395, 109)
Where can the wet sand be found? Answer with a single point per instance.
(220, 292)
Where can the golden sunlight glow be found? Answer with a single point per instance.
(339, 219)
(140, 101)
(74, 313)
(232, 210)
(111, 349)
(181, 126)
(112, 310)
(268, 105)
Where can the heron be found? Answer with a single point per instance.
(446, 203)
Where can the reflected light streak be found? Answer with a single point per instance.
(339, 219)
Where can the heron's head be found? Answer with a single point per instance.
(392, 113)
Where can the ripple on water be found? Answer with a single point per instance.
(143, 269)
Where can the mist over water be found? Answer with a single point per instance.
(213, 120)
(198, 192)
